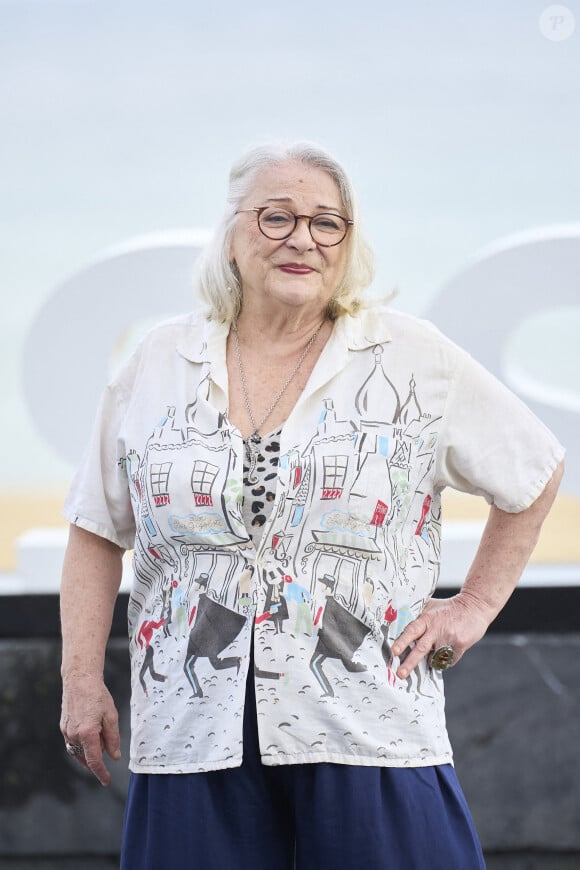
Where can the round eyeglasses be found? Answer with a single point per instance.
(277, 224)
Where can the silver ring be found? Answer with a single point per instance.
(442, 658)
(74, 749)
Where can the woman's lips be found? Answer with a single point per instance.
(296, 268)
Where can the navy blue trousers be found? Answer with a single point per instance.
(299, 817)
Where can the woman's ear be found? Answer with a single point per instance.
(235, 271)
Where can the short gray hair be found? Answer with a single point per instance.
(217, 279)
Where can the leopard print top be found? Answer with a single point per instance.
(259, 497)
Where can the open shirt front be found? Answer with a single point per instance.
(393, 413)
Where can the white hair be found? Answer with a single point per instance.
(217, 278)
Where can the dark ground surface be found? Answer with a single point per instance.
(513, 707)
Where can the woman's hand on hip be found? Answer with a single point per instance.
(457, 622)
(90, 723)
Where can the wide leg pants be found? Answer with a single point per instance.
(299, 817)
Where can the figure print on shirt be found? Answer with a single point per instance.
(334, 583)
(144, 639)
(340, 634)
(343, 557)
(215, 627)
(189, 543)
(352, 541)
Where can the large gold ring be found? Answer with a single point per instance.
(442, 658)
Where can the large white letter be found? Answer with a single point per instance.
(505, 284)
(71, 341)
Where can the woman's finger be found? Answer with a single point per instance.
(110, 735)
(420, 649)
(409, 635)
(93, 757)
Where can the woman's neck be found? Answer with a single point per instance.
(279, 324)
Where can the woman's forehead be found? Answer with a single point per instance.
(290, 182)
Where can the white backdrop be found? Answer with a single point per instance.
(458, 122)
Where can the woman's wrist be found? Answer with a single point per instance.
(93, 670)
(478, 605)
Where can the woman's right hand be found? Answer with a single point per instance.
(91, 576)
(90, 720)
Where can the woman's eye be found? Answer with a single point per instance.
(328, 223)
(276, 218)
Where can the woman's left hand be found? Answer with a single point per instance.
(457, 622)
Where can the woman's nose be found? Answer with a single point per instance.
(301, 238)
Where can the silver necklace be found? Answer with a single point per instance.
(253, 439)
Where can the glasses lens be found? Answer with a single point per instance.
(328, 229)
(276, 223)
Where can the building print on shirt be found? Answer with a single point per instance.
(194, 534)
(350, 529)
(360, 536)
(363, 459)
(360, 560)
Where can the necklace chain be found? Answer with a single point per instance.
(281, 391)
(254, 438)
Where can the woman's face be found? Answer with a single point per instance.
(294, 271)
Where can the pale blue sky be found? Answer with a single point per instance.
(459, 124)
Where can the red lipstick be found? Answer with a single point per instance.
(296, 268)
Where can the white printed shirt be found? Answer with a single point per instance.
(393, 413)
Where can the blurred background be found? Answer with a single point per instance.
(459, 124)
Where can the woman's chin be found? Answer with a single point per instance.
(297, 293)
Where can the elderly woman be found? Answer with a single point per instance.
(276, 463)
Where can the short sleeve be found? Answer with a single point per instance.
(491, 443)
(99, 498)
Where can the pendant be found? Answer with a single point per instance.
(252, 453)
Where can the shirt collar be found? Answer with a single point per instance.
(367, 328)
(205, 340)
(202, 340)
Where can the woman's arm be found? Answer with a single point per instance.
(506, 545)
(91, 578)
